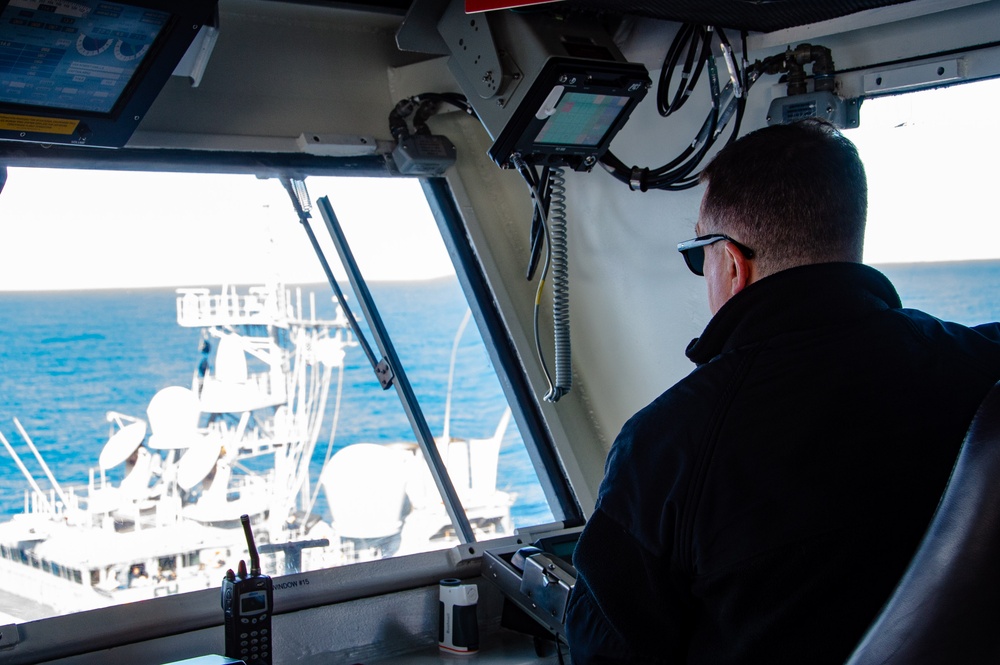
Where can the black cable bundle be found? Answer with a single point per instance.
(690, 35)
(422, 107)
(679, 173)
(540, 188)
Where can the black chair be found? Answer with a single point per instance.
(946, 608)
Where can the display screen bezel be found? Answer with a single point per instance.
(79, 56)
(111, 126)
(584, 79)
(253, 602)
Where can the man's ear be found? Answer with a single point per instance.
(740, 270)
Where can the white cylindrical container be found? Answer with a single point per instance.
(458, 625)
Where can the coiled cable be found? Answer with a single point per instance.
(548, 231)
(560, 285)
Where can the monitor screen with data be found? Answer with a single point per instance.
(73, 55)
(86, 71)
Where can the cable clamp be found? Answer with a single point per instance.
(637, 179)
(734, 76)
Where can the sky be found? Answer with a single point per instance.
(933, 174)
(64, 229)
(932, 180)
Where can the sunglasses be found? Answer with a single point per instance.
(694, 250)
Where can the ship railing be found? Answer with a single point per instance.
(47, 503)
(261, 305)
(86, 506)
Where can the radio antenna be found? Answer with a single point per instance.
(254, 557)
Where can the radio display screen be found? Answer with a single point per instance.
(253, 602)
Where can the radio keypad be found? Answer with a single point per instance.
(256, 644)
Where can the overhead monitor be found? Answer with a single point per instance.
(571, 113)
(86, 71)
(549, 91)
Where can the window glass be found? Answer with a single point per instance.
(171, 351)
(932, 227)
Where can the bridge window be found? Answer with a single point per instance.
(931, 222)
(177, 360)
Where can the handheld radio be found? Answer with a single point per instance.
(247, 604)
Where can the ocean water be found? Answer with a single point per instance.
(965, 292)
(68, 358)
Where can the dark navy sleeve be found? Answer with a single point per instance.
(633, 603)
(623, 608)
(592, 638)
(989, 330)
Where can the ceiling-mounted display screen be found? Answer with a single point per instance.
(99, 47)
(581, 119)
(86, 71)
(571, 112)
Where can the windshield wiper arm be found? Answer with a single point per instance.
(388, 370)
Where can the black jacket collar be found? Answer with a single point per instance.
(794, 299)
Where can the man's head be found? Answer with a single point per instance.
(793, 194)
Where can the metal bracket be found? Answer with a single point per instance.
(472, 48)
(539, 590)
(383, 370)
(336, 145)
(547, 584)
(418, 31)
(915, 76)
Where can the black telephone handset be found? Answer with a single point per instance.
(247, 605)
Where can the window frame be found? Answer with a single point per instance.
(195, 612)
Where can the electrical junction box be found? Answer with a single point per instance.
(424, 154)
(842, 113)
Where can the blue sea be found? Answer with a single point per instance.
(67, 358)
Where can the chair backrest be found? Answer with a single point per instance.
(946, 608)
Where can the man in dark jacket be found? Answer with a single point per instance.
(763, 509)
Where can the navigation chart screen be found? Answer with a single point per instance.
(582, 119)
(77, 55)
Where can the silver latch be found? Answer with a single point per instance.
(548, 583)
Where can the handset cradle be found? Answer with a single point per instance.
(247, 605)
